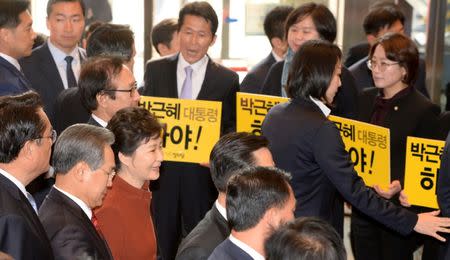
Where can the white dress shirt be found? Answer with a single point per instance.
(11, 60)
(325, 110)
(99, 120)
(198, 74)
(221, 210)
(59, 58)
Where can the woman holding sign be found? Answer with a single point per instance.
(124, 218)
(394, 103)
(306, 144)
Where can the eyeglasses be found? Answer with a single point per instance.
(382, 66)
(132, 90)
(110, 173)
(53, 135)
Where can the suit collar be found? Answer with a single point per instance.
(208, 85)
(62, 201)
(11, 60)
(48, 66)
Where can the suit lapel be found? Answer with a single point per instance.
(49, 68)
(26, 208)
(208, 83)
(172, 87)
(83, 219)
(20, 76)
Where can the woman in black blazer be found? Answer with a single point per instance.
(397, 105)
(306, 144)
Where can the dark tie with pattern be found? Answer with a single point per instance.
(71, 81)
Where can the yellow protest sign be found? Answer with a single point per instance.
(251, 109)
(193, 126)
(369, 148)
(423, 160)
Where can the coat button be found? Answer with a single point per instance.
(396, 108)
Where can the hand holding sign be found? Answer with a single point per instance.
(394, 188)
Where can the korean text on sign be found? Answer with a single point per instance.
(369, 148)
(251, 110)
(192, 126)
(423, 159)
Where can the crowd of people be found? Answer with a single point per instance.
(82, 173)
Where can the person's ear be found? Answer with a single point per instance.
(125, 159)
(162, 49)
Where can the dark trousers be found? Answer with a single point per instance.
(372, 241)
(182, 195)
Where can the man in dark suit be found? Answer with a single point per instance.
(106, 86)
(107, 39)
(232, 152)
(356, 53)
(274, 30)
(165, 37)
(26, 139)
(16, 40)
(443, 195)
(184, 191)
(379, 21)
(84, 166)
(56, 64)
(258, 201)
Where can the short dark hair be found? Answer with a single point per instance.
(111, 40)
(131, 126)
(305, 238)
(96, 76)
(10, 11)
(81, 143)
(274, 21)
(253, 191)
(21, 122)
(321, 16)
(50, 4)
(382, 16)
(163, 33)
(201, 9)
(401, 49)
(312, 69)
(232, 152)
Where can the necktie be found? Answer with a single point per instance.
(71, 81)
(32, 201)
(186, 90)
(94, 221)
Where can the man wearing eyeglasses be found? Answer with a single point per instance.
(84, 166)
(26, 139)
(106, 86)
(380, 20)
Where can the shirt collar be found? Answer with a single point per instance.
(221, 210)
(78, 201)
(99, 120)
(59, 56)
(325, 110)
(276, 57)
(252, 252)
(15, 181)
(11, 60)
(195, 66)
